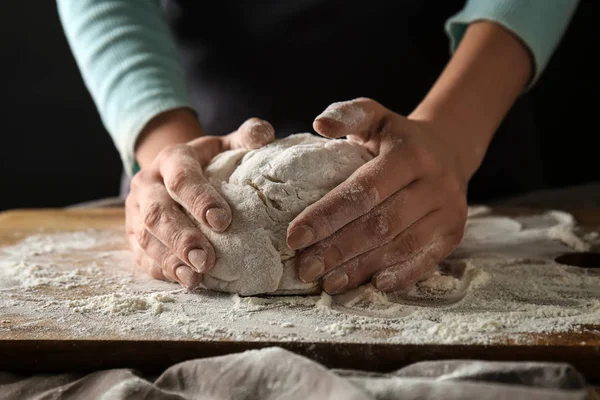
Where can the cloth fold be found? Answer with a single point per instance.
(275, 373)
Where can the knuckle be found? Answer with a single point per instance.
(153, 214)
(252, 122)
(143, 238)
(177, 181)
(324, 224)
(202, 201)
(175, 151)
(363, 101)
(184, 240)
(169, 263)
(363, 193)
(409, 242)
(382, 225)
(390, 257)
(137, 180)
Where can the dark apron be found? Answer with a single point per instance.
(285, 61)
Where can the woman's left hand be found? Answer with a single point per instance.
(397, 216)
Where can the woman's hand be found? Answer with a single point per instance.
(166, 241)
(396, 217)
(403, 212)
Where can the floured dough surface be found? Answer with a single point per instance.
(266, 189)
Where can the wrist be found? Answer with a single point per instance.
(479, 85)
(468, 145)
(166, 129)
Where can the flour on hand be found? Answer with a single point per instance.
(266, 189)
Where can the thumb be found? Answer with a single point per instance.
(358, 119)
(252, 134)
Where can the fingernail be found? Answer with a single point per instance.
(331, 257)
(197, 258)
(311, 271)
(335, 282)
(300, 237)
(187, 277)
(218, 219)
(385, 282)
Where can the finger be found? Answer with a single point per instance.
(436, 227)
(132, 215)
(252, 134)
(163, 219)
(184, 181)
(368, 186)
(411, 271)
(150, 267)
(369, 231)
(132, 225)
(171, 265)
(145, 263)
(360, 119)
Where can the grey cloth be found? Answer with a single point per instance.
(278, 374)
(274, 373)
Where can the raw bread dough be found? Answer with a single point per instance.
(266, 189)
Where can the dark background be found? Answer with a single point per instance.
(54, 150)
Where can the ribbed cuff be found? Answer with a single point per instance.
(539, 24)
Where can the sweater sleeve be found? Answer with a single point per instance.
(129, 63)
(539, 24)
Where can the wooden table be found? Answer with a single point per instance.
(53, 352)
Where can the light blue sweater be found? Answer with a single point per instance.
(130, 64)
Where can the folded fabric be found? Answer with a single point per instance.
(274, 373)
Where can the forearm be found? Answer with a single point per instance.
(167, 129)
(489, 70)
(129, 63)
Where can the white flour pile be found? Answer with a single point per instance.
(80, 285)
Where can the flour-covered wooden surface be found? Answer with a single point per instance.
(68, 279)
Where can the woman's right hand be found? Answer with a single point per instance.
(171, 190)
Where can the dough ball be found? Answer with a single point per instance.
(266, 189)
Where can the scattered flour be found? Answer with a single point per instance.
(505, 288)
(339, 328)
(122, 304)
(61, 242)
(33, 276)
